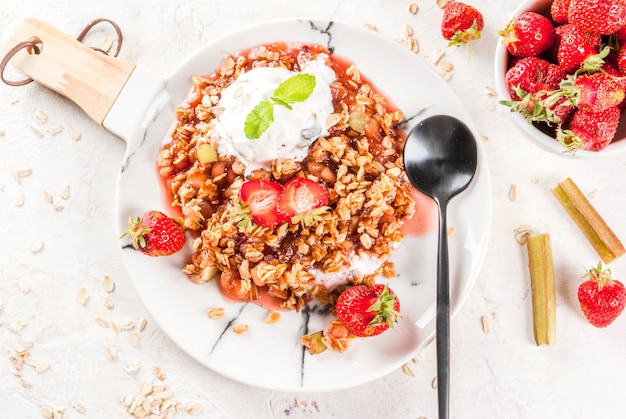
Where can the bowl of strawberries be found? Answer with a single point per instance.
(561, 69)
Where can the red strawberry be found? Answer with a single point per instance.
(592, 92)
(592, 131)
(261, 198)
(577, 49)
(461, 23)
(530, 74)
(601, 16)
(530, 34)
(302, 200)
(156, 234)
(368, 311)
(602, 299)
(558, 10)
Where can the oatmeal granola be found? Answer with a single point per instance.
(359, 162)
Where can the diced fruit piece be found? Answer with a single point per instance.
(301, 200)
(542, 288)
(592, 225)
(461, 23)
(206, 154)
(368, 311)
(602, 299)
(530, 34)
(155, 234)
(261, 197)
(313, 342)
(604, 17)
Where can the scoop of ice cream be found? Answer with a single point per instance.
(292, 130)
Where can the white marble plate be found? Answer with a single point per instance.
(270, 356)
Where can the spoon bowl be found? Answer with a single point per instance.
(440, 159)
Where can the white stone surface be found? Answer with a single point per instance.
(501, 374)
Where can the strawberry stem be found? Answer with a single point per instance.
(384, 308)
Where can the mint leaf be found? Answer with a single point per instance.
(295, 89)
(259, 120)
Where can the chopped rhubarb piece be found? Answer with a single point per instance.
(542, 288)
(592, 225)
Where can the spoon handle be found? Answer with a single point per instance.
(443, 317)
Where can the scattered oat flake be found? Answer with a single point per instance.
(240, 328)
(433, 383)
(108, 284)
(36, 132)
(37, 246)
(23, 286)
(55, 129)
(408, 30)
(2, 132)
(408, 370)
(413, 8)
(437, 56)
(142, 324)
(135, 339)
(79, 406)
(593, 194)
(41, 117)
(513, 193)
(534, 179)
(25, 383)
(19, 200)
(42, 366)
(272, 317)
(48, 196)
(215, 313)
(521, 233)
(159, 373)
(20, 173)
(194, 409)
(489, 104)
(83, 295)
(112, 350)
(371, 27)
(47, 412)
(443, 3)
(445, 65)
(451, 231)
(446, 75)
(132, 367)
(75, 133)
(58, 207)
(486, 324)
(107, 302)
(490, 91)
(65, 192)
(103, 321)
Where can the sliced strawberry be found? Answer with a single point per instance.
(261, 196)
(301, 197)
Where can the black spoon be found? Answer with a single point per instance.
(440, 158)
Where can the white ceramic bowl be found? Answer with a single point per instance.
(538, 137)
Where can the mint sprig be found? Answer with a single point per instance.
(295, 89)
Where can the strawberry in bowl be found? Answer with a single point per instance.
(553, 58)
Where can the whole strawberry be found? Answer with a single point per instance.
(532, 74)
(602, 299)
(461, 23)
(155, 234)
(530, 34)
(575, 49)
(558, 10)
(591, 131)
(368, 311)
(592, 92)
(600, 16)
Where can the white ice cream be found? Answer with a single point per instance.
(292, 131)
(362, 264)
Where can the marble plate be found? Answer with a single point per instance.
(270, 356)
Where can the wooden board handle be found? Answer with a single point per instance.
(90, 79)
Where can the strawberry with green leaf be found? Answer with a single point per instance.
(155, 234)
(368, 311)
(258, 201)
(302, 201)
(591, 131)
(602, 298)
(528, 35)
(461, 23)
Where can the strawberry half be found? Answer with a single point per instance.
(155, 234)
(368, 311)
(261, 198)
(602, 298)
(302, 200)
